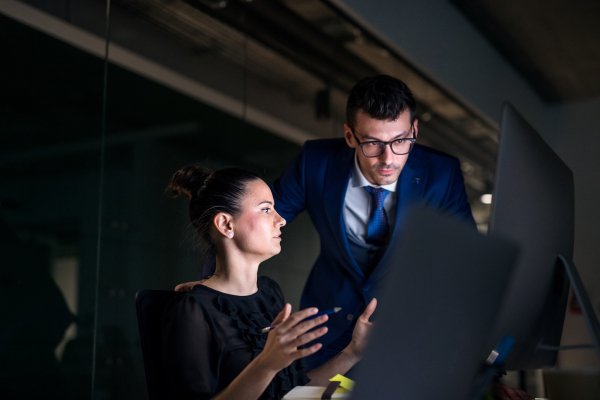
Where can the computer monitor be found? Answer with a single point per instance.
(533, 205)
(437, 305)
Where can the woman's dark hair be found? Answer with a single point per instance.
(211, 193)
(382, 97)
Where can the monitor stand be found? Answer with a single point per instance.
(584, 301)
(492, 368)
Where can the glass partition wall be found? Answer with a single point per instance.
(88, 149)
(50, 155)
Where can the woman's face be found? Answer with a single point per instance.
(257, 229)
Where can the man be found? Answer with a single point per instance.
(357, 191)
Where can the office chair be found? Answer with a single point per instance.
(150, 305)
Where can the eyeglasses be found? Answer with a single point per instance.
(375, 148)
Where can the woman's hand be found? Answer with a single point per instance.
(280, 351)
(360, 336)
(290, 333)
(347, 358)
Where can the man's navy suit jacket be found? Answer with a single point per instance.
(317, 182)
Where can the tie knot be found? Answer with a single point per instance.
(378, 196)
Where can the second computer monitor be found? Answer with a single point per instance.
(532, 205)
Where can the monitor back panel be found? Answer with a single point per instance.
(442, 292)
(532, 205)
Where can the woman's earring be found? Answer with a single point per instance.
(230, 234)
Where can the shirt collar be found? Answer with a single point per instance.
(359, 180)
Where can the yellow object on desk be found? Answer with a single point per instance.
(316, 392)
(346, 384)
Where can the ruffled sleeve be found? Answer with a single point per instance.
(190, 351)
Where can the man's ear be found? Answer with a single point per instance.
(416, 126)
(349, 137)
(224, 223)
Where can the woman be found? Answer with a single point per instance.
(213, 344)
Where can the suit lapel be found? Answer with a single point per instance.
(411, 187)
(336, 184)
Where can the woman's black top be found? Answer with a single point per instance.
(209, 337)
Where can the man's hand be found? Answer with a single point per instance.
(500, 391)
(360, 336)
(186, 287)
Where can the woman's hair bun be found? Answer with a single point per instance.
(188, 181)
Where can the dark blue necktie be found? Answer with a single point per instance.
(378, 230)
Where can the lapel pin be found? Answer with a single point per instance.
(417, 180)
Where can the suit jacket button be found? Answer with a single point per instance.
(350, 317)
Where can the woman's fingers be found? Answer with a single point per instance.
(369, 310)
(283, 342)
(296, 317)
(305, 326)
(310, 336)
(301, 353)
(287, 313)
(283, 314)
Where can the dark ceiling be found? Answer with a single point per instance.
(555, 44)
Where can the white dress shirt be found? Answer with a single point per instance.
(357, 204)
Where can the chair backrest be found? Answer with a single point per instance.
(150, 305)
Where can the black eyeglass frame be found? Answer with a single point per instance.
(362, 144)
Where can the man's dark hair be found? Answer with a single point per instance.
(382, 97)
